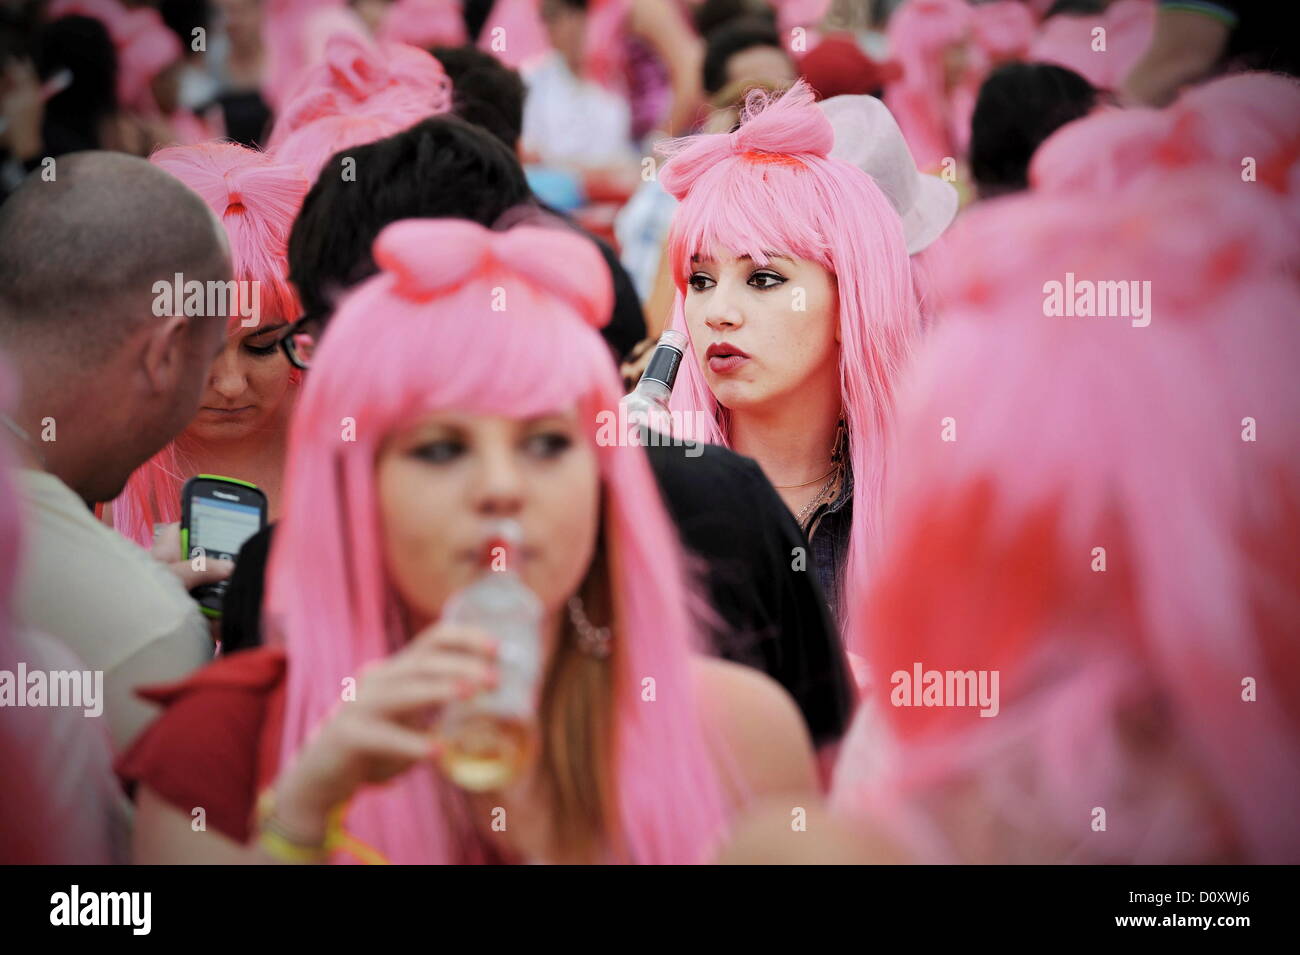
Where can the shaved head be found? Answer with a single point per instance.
(79, 255)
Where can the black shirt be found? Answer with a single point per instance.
(763, 588)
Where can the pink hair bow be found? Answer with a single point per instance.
(774, 129)
(429, 258)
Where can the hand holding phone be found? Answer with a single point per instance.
(218, 514)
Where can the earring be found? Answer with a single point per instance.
(592, 640)
(841, 439)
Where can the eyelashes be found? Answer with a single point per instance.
(761, 279)
(545, 446)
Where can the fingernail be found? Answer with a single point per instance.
(493, 677)
(465, 689)
(493, 646)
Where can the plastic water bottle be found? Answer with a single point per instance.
(488, 740)
(647, 404)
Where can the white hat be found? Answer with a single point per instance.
(867, 136)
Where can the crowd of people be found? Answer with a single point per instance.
(970, 531)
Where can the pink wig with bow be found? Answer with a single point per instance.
(359, 78)
(256, 200)
(1109, 533)
(144, 44)
(770, 188)
(419, 337)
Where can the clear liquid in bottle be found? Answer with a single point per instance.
(489, 739)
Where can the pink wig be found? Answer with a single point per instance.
(1109, 150)
(770, 188)
(1253, 115)
(312, 146)
(419, 337)
(424, 23)
(1215, 128)
(256, 200)
(1120, 689)
(921, 33)
(144, 44)
(359, 79)
(295, 34)
(1068, 41)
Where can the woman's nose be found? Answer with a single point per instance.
(227, 378)
(499, 490)
(723, 310)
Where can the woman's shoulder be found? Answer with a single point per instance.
(215, 742)
(759, 723)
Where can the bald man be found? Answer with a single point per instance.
(104, 383)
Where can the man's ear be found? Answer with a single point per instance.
(163, 355)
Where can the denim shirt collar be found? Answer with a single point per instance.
(829, 541)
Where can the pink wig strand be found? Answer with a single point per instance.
(1084, 432)
(419, 337)
(424, 23)
(768, 189)
(256, 200)
(359, 78)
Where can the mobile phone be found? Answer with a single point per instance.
(218, 514)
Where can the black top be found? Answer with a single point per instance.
(764, 589)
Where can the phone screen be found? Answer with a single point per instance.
(220, 527)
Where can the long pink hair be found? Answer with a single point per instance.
(422, 336)
(256, 200)
(770, 188)
(1109, 533)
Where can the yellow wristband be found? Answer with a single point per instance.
(279, 844)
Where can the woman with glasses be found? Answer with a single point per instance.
(475, 399)
(242, 424)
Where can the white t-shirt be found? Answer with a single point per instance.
(116, 607)
(569, 121)
(70, 761)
